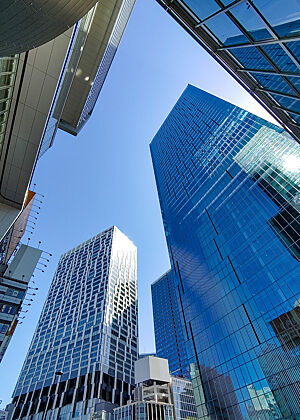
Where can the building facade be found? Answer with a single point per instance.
(85, 343)
(169, 334)
(183, 399)
(157, 394)
(54, 85)
(257, 42)
(228, 185)
(14, 279)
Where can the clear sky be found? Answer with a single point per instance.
(104, 176)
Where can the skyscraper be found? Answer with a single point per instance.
(168, 330)
(85, 343)
(228, 184)
(257, 42)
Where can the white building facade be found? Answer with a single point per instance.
(85, 345)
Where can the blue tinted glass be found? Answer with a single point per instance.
(294, 47)
(251, 58)
(228, 184)
(286, 23)
(273, 82)
(290, 103)
(250, 21)
(225, 30)
(280, 58)
(202, 9)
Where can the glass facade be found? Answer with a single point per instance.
(183, 399)
(228, 184)
(258, 42)
(169, 336)
(85, 345)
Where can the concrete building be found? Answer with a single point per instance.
(85, 344)
(14, 280)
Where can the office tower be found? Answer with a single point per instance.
(228, 184)
(85, 343)
(183, 398)
(56, 84)
(257, 42)
(169, 334)
(14, 280)
(27, 25)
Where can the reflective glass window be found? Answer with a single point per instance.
(245, 15)
(280, 58)
(202, 9)
(251, 58)
(225, 30)
(272, 11)
(273, 82)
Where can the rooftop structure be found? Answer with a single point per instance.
(228, 183)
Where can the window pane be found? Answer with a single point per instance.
(272, 11)
(245, 14)
(225, 30)
(202, 9)
(280, 58)
(251, 58)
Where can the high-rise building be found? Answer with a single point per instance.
(183, 399)
(54, 85)
(14, 279)
(168, 330)
(228, 184)
(257, 42)
(85, 344)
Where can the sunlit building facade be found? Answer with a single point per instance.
(54, 85)
(183, 399)
(85, 344)
(168, 330)
(257, 42)
(228, 184)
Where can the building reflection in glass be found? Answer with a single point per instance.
(225, 178)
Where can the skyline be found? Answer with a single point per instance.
(57, 199)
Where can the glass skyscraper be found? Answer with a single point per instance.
(257, 42)
(228, 184)
(85, 344)
(169, 336)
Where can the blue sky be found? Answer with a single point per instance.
(104, 176)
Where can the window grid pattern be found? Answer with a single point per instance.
(88, 324)
(229, 192)
(257, 41)
(169, 336)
